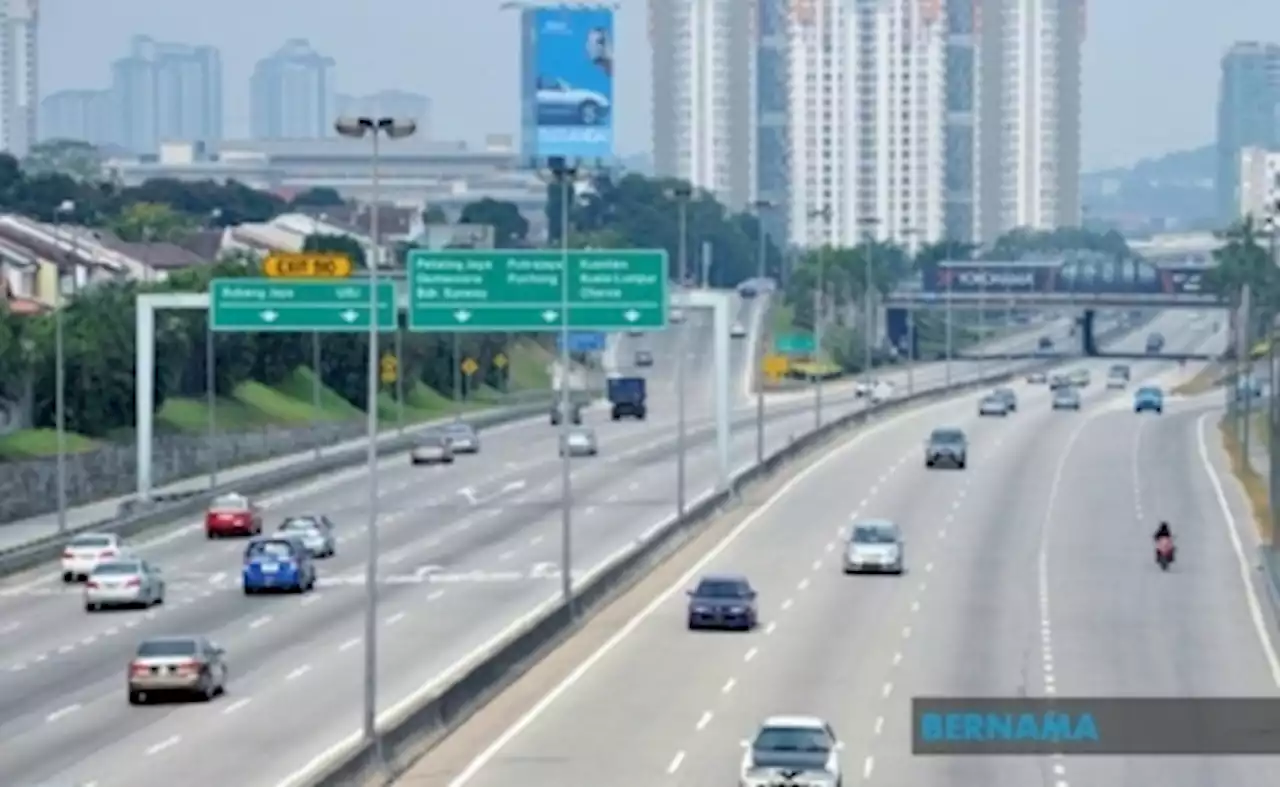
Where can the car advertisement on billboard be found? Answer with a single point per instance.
(568, 83)
(994, 277)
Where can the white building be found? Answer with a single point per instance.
(1259, 184)
(19, 74)
(868, 114)
(704, 122)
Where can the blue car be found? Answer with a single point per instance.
(1148, 398)
(280, 563)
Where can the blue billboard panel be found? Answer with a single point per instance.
(567, 83)
(583, 341)
(1094, 276)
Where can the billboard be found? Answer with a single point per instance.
(1086, 276)
(993, 277)
(567, 83)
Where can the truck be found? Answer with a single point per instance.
(627, 395)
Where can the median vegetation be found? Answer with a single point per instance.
(1255, 486)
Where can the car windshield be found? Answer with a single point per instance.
(168, 647)
(269, 550)
(90, 542)
(806, 739)
(300, 525)
(231, 502)
(948, 436)
(874, 534)
(432, 440)
(722, 588)
(1149, 392)
(117, 569)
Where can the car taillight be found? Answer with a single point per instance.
(67, 553)
(133, 583)
(139, 669)
(187, 666)
(91, 585)
(107, 553)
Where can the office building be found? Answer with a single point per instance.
(84, 115)
(19, 74)
(960, 216)
(773, 118)
(389, 103)
(291, 94)
(704, 97)
(1029, 114)
(1259, 190)
(868, 110)
(163, 92)
(1248, 107)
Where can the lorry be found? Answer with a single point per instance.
(627, 395)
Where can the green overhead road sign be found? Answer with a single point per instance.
(503, 290)
(252, 305)
(794, 344)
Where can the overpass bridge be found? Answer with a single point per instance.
(1085, 284)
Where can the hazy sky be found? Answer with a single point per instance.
(1150, 81)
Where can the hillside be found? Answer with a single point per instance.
(1170, 192)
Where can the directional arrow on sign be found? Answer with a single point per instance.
(270, 316)
(550, 316)
(631, 315)
(350, 315)
(462, 315)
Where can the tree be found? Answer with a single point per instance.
(148, 221)
(75, 159)
(319, 197)
(510, 229)
(1243, 261)
(434, 215)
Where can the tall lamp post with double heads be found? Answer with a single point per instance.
(374, 129)
(819, 303)
(868, 225)
(762, 248)
(682, 193)
(66, 208)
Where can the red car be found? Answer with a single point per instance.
(232, 515)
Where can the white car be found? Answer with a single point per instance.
(863, 388)
(84, 552)
(1116, 382)
(881, 391)
(562, 104)
(123, 582)
(675, 316)
(800, 750)
(874, 546)
(738, 331)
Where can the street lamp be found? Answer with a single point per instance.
(682, 193)
(375, 129)
(761, 205)
(67, 208)
(819, 302)
(869, 225)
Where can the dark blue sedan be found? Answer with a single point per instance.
(723, 602)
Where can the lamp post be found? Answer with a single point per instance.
(761, 205)
(819, 302)
(374, 128)
(869, 225)
(67, 208)
(682, 193)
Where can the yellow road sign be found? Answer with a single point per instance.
(500, 361)
(389, 368)
(307, 265)
(469, 366)
(775, 365)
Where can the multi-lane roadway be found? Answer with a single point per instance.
(465, 552)
(1028, 574)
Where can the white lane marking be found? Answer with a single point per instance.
(886, 690)
(675, 762)
(728, 685)
(469, 494)
(260, 622)
(235, 706)
(217, 578)
(1250, 592)
(804, 583)
(879, 725)
(817, 564)
(510, 553)
(171, 741)
(750, 654)
(897, 658)
(435, 594)
(787, 604)
(394, 619)
(62, 712)
(10, 627)
(769, 629)
(19, 667)
(533, 542)
(89, 640)
(928, 567)
(514, 486)
(65, 649)
(868, 765)
(704, 720)
(349, 644)
(298, 672)
(906, 632)
(322, 759)
(311, 598)
(915, 606)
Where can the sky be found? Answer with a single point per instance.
(1150, 66)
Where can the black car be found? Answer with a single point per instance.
(947, 447)
(723, 602)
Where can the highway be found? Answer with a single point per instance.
(1030, 573)
(465, 552)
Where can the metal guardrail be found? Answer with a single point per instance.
(407, 738)
(136, 516)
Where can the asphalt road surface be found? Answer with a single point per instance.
(1030, 574)
(465, 552)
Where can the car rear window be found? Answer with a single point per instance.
(798, 739)
(232, 502)
(948, 436)
(278, 550)
(874, 534)
(168, 647)
(92, 542)
(300, 524)
(117, 568)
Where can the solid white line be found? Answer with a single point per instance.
(349, 644)
(262, 621)
(396, 618)
(299, 672)
(58, 714)
(235, 706)
(1250, 592)
(171, 741)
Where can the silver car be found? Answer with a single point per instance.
(581, 441)
(993, 404)
(875, 546)
(315, 533)
(123, 582)
(191, 666)
(1037, 378)
(1066, 398)
(462, 438)
(432, 449)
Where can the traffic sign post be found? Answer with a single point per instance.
(264, 305)
(307, 265)
(389, 369)
(469, 368)
(503, 290)
(775, 366)
(795, 344)
(500, 363)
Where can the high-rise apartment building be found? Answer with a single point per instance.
(389, 103)
(19, 74)
(961, 218)
(773, 123)
(292, 94)
(1029, 114)
(704, 95)
(163, 92)
(1248, 116)
(84, 115)
(868, 113)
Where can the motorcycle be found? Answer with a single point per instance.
(1165, 553)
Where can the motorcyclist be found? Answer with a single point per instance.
(1163, 532)
(1164, 540)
